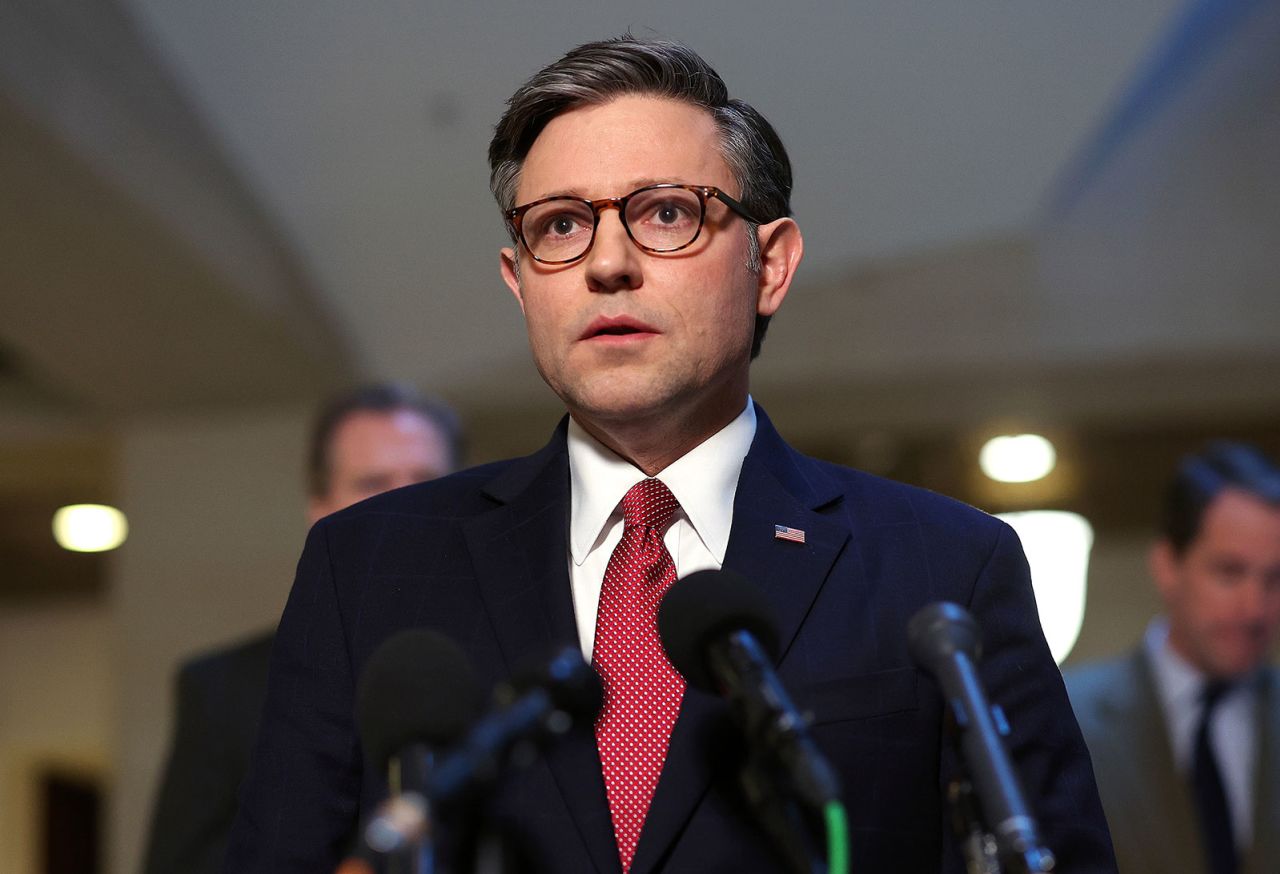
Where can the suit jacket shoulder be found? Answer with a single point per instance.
(225, 670)
(219, 698)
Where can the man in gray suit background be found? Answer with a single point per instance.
(1185, 730)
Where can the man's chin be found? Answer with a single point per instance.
(616, 396)
(614, 409)
(1237, 664)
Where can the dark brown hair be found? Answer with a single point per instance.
(383, 397)
(1203, 476)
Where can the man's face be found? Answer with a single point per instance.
(624, 335)
(1222, 592)
(373, 452)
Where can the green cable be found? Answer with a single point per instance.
(837, 838)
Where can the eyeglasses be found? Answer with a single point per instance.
(658, 218)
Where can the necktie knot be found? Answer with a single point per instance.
(648, 504)
(1212, 694)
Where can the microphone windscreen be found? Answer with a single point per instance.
(573, 685)
(417, 687)
(941, 629)
(705, 607)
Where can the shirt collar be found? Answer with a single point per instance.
(704, 480)
(1179, 682)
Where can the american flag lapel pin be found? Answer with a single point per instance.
(782, 532)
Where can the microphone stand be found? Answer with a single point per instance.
(945, 641)
(981, 855)
(983, 851)
(783, 820)
(786, 809)
(409, 771)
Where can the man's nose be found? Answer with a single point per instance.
(614, 262)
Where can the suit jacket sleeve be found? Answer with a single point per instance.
(300, 799)
(196, 802)
(1045, 741)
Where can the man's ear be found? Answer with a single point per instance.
(781, 248)
(1162, 564)
(509, 267)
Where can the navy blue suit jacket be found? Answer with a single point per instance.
(482, 556)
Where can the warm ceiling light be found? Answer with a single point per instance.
(1057, 545)
(1017, 458)
(89, 527)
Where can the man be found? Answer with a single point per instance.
(651, 243)
(1185, 731)
(370, 440)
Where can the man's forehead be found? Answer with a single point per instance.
(1235, 516)
(608, 149)
(365, 431)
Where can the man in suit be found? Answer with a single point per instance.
(651, 243)
(368, 440)
(1185, 731)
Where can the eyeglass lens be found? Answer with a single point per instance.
(660, 219)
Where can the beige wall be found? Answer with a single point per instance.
(57, 700)
(1120, 599)
(216, 512)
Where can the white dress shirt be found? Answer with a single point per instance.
(704, 481)
(1232, 732)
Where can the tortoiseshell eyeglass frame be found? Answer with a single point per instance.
(516, 216)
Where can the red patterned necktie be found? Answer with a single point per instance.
(642, 691)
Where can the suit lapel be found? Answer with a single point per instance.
(776, 487)
(1140, 741)
(519, 552)
(1260, 859)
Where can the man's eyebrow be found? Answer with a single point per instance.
(560, 192)
(632, 185)
(653, 180)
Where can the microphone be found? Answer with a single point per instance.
(944, 640)
(542, 707)
(417, 692)
(717, 630)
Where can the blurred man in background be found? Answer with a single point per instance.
(1185, 731)
(370, 440)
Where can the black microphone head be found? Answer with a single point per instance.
(940, 630)
(704, 607)
(417, 687)
(573, 685)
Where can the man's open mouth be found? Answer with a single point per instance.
(616, 327)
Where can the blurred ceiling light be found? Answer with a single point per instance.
(1017, 458)
(1057, 544)
(89, 527)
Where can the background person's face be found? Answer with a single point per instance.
(373, 452)
(1222, 592)
(624, 334)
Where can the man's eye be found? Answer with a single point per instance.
(561, 225)
(669, 213)
(1229, 571)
